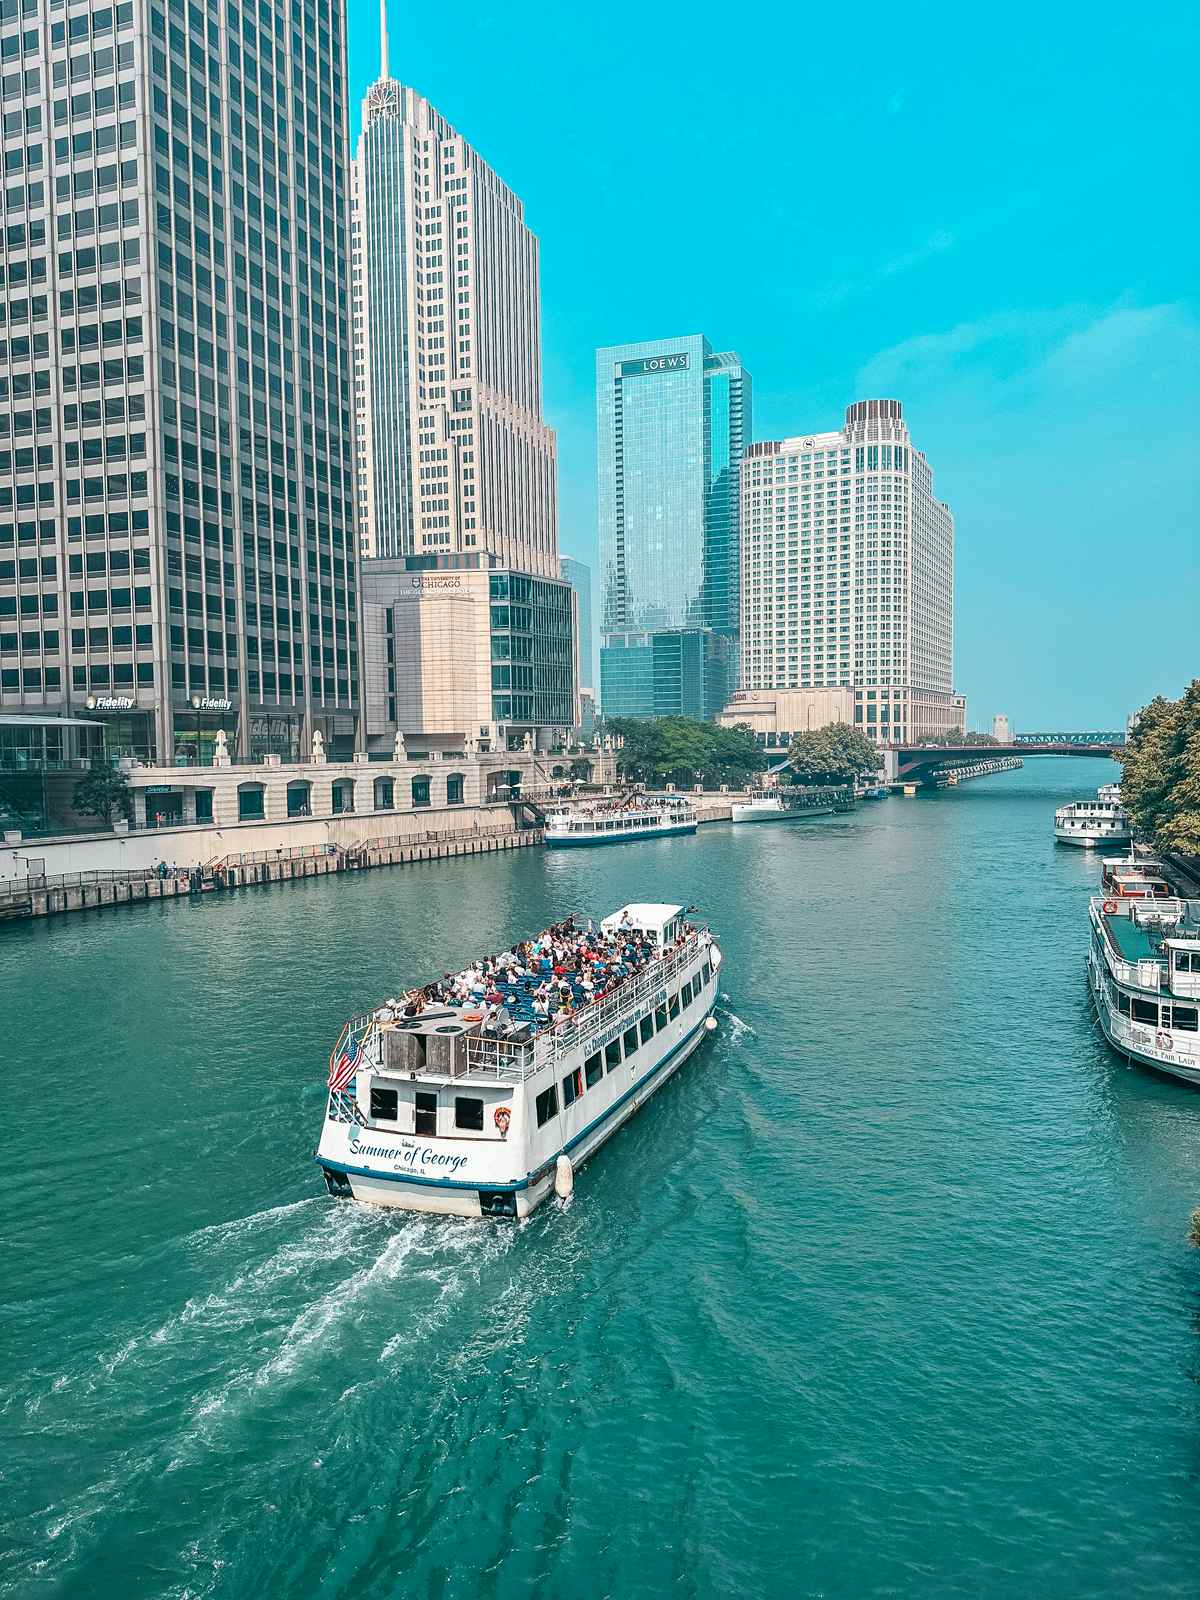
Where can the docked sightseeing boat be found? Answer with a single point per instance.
(768, 805)
(484, 1104)
(1094, 822)
(617, 821)
(1133, 878)
(1144, 977)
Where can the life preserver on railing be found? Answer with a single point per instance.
(1110, 908)
(502, 1116)
(1163, 1040)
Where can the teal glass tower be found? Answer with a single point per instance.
(672, 422)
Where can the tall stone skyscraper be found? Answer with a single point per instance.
(453, 455)
(848, 575)
(672, 422)
(177, 537)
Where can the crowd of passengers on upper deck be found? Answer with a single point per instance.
(543, 981)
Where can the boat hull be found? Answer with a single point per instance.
(783, 816)
(577, 841)
(1086, 840)
(1138, 1043)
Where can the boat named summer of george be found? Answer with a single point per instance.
(484, 1104)
(1144, 968)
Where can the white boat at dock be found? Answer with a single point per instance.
(618, 821)
(1095, 822)
(482, 1105)
(769, 805)
(1144, 969)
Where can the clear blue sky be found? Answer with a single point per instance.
(990, 216)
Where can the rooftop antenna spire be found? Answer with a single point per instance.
(383, 39)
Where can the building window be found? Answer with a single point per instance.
(385, 794)
(251, 802)
(420, 792)
(204, 805)
(454, 789)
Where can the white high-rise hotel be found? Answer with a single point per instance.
(453, 455)
(848, 579)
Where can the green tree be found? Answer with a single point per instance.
(101, 792)
(958, 736)
(684, 751)
(1160, 781)
(835, 754)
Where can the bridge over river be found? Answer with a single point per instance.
(920, 763)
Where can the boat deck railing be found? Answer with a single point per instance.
(1176, 919)
(513, 1060)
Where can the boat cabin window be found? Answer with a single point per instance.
(426, 1117)
(468, 1113)
(385, 1104)
(660, 1018)
(646, 1029)
(1187, 960)
(593, 1069)
(1122, 1003)
(707, 972)
(572, 1087)
(1145, 1011)
(631, 1042)
(547, 1105)
(1182, 1018)
(685, 995)
(612, 1054)
(674, 1005)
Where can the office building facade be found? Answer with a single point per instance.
(669, 672)
(673, 419)
(177, 539)
(464, 646)
(452, 454)
(848, 574)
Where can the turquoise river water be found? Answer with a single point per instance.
(887, 1293)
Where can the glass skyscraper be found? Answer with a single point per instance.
(177, 548)
(673, 420)
(579, 576)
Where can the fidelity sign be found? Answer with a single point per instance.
(649, 365)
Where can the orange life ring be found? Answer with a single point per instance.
(502, 1117)
(472, 1016)
(1110, 908)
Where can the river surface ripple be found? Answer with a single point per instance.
(887, 1293)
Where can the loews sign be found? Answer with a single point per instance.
(655, 364)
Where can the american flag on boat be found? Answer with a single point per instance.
(347, 1064)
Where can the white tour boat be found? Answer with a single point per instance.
(618, 821)
(483, 1107)
(1144, 977)
(768, 805)
(1094, 822)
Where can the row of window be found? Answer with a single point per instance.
(1169, 1015)
(576, 1084)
